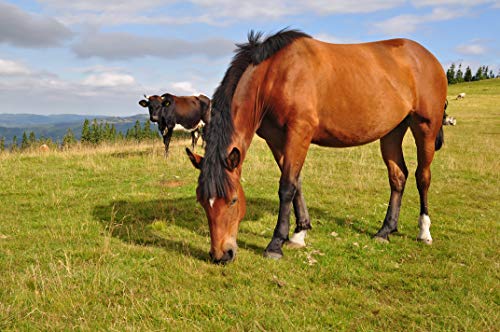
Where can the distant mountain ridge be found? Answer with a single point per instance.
(55, 126)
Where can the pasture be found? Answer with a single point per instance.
(112, 238)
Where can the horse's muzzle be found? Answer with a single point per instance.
(228, 257)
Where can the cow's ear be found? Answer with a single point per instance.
(196, 159)
(204, 102)
(144, 103)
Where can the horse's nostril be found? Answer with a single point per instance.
(230, 254)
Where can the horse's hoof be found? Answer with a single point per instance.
(380, 239)
(294, 245)
(297, 240)
(426, 241)
(273, 255)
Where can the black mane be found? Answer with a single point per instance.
(213, 180)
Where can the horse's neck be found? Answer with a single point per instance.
(246, 122)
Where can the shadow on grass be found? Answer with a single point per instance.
(135, 222)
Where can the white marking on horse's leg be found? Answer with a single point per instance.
(211, 201)
(297, 240)
(424, 223)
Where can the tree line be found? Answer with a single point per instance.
(93, 133)
(455, 74)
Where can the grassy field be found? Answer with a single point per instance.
(112, 239)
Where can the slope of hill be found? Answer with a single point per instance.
(55, 126)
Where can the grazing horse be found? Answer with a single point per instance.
(168, 110)
(293, 90)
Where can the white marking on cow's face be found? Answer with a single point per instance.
(424, 223)
(211, 202)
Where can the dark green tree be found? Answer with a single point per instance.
(459, 77)
(491, 74)
(2, 144)
(32, 139)
(479, 74)
(24, 142)
(129, 134)
(95, 133)
(106, 133)
(68, 139)
(137, 131)
(468, 75)
(14, 146)
(147, 132)
(450, 74)
(113, 133)
(86, 135)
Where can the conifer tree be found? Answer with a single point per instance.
(479, 74)
(24, 141)
(137, 131)
(95, 133)
(468, 75)
(450, 74)
(86, 136)
(107, 133)
(113, 132)
(459, 77)
(2, 144)
(14, 146)
(32, 139)
(68, 139)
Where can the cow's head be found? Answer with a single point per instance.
(160, 110)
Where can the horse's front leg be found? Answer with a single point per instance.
(286, 194)
(302, 218)
(294, 154)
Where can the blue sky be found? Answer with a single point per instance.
(99, 57)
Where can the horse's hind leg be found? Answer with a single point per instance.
(392, 152)
(425, 135)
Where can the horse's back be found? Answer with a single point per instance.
(353, 93)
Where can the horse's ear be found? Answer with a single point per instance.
(144, 103)
(196, 159)
(204, 102)
(233, 160)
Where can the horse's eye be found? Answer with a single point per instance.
(233, 201)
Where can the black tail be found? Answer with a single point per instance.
(440, 137)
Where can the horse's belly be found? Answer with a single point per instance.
(352, 131)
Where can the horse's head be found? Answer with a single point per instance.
(224, 214)
(160, 107)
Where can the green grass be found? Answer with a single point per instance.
(113, 239)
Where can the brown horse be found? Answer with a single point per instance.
(168, 110)
(292, 91)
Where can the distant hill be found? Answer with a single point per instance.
(55, 126)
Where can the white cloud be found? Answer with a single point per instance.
(471, 49)
(214, 12)
(12, 68)
(334, 39)
(404, 24)
(104, 80)
(184, 88)
(464, 3)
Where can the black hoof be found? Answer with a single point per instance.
(381, 239)
(273, 255)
